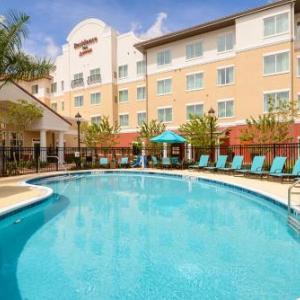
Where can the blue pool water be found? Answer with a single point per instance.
(135, 236)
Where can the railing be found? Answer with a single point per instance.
(77, 83)
(94, 79)
(294, 207)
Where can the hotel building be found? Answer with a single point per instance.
(233, 64)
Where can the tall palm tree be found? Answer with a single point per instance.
(15, 64)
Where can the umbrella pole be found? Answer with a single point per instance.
(165, 151)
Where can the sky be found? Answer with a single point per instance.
(52, 20)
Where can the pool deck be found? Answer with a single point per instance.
(14, 193)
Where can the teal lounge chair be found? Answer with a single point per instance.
(221, 163)
(175, 161)
(166, 162)
(155, 162)
(237, 163)
(277, 165)
(124, 162)
(103, 162)
(295, 173)
(256, 167)
(203, 162)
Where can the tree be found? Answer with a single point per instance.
(201, 131)
(271, 127)
(14, 63)
(148, 131)
(103, 134)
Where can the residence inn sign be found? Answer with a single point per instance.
(85, 46)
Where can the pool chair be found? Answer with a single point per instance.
(236, 164)
(256, 167)
(221, 163)
(175, 161)
(155, 162)
(289, 176)
(137, 162)
(277, 165)
(203, 162)
(124, 162)
(166, 162)
(103, 162)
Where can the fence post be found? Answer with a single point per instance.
(3, 161)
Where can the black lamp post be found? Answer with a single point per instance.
(211, 114)
(78, 121)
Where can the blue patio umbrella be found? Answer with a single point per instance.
(169, 137)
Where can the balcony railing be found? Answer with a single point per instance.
(77, 83)
(96, 78)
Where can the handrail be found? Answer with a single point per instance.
(290, 193)
(293, 216)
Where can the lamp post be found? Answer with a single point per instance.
(211, 114)
(78, 121)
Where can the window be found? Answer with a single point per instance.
(95, 98)
(276, 24)
(225, 42)
(141, 93)
(124, 120)
(276, 99)
(164, 58)
(225, 109)
(194, 50)
(95, 76)
(276, 63)
(96, 120)
(78, 101)
(164, 86)
(78, 80)
(62, 85)
(194, 110)
(194, 81)
(164, 114)
(225, 75)
(35, 89)
(54, 106)
(141, 118)
(123, 71)
(53, 87)
(62, 105)
(141, 67)
(123, 95)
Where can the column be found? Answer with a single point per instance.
(61, 156)
(165, 151)
(43, 145)
(189, 152)
(143, 155)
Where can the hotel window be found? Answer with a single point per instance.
(124, 120)
(194, 81)
(225, 42)
(164, 114)
(54, 106)
(276, 63)
(123, 71)
(53, 87)
(123, 95)
(62, 105)
(35, 89)
(194, 50)
(141, 118)
(95, 98)
(62, 85)
(78, 80)
(194, 110)
(141, 93)
(276, 24)
(225, 109)
(225, 75)
(96, 120)
(78, 101)
(275, 99)
(164, 87)
(141, 67)
(95, 76)
(164, 58)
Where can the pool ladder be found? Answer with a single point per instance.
(294, 207)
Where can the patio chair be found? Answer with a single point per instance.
(155, 162)
(166, 162)
(221, 163)
(277, 165)
(175, 161)
(124, 162)
(295, 172)
(203, 162)
(236, 164)
(137, 162)
(103, 162)
(256, 167)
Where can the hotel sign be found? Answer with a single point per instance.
(85, 46)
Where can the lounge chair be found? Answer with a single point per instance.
(124, 162)
(103, 162)
(166, 162)
(203, 162)
(277, 165)
(256, 167)
(137, 162)
(295, 173)
(176, 162)
(236, 164)
(221, 163)
(155, 162)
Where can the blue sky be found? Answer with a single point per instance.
(52, 20)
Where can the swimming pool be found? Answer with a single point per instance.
(145, 236)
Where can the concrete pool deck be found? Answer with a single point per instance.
(14, 194)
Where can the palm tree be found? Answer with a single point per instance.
(15, 64)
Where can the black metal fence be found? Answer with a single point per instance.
(26, 160)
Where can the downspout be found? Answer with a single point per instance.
(292, 47)
(147, 94)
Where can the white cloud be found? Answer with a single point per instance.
(158, 28)
(51, 49)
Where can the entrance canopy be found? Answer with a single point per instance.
(169, 137)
